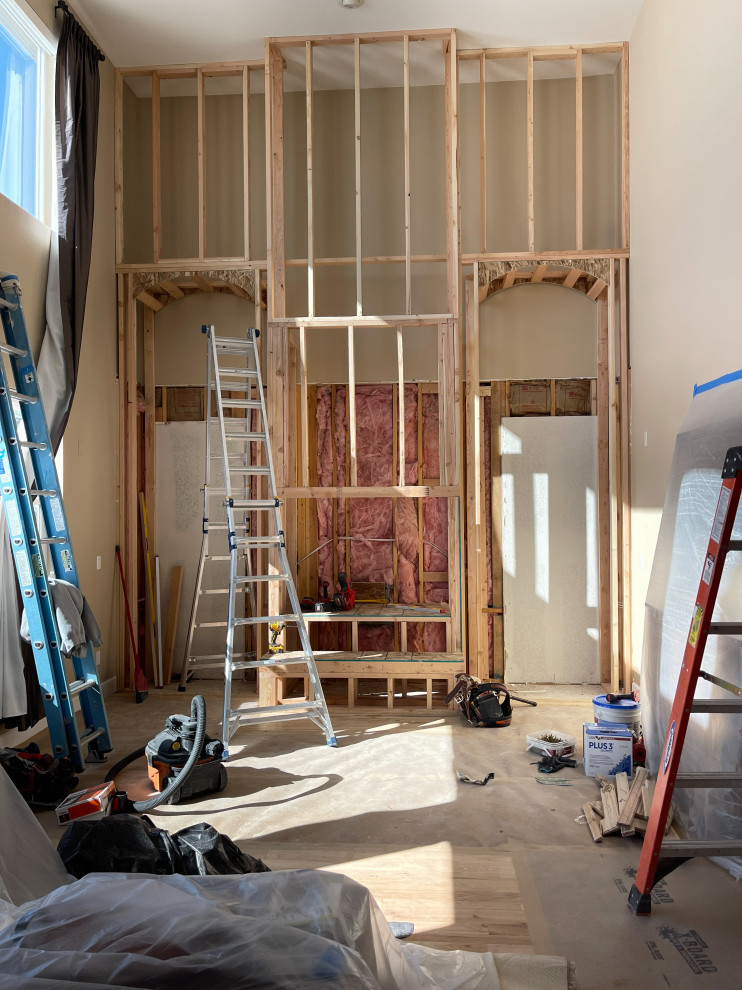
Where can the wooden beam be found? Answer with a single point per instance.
(475, 530)
(614, 480)
(509, 278)
(352, 407)
(428, 320)
(151, 302)
(202, 283)
(578, 151)
(529, 149)
(401, 412)
(435, 34)
(625, 148)
(452, 176)
(357, 117)
(309, 72)
(125, 657)
(118, 166)
(571, 277)
(176, 585)
(188, 70)
(131, 547)
(407, 186)
(538, 275)
(172, 289)
(150, 487)
(497, 408)
(598, 287)
(246, 204)
(156, 171)
(468, 259)
(625, 448)
(304, 425)
(483, 151)
(380, 491)
(604, 493)
(277, 247)
(201, 165)
(236, 290)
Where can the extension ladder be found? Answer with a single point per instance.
(239, 444)
(28, 471)
(660, 856)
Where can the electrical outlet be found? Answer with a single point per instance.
(98, 562)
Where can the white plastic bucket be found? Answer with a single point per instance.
(623, 713)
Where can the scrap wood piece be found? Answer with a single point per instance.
(639, 825)
(631, 803)
(593, 823)
(647, 796)
(610, 805)
(622, 790)
(597, 807)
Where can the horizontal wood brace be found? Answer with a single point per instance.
(388, 491)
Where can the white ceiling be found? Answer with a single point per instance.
(161, 32)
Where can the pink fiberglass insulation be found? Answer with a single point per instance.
(410, 434)
(373, 518)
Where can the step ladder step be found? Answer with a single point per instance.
(216, 656)
(75, 687)
(279, 659)
(256, 578)
(260, 541)
(725, 629)
(245, 436)
(254, 504)
(723, 706)
(20, 397)
(276, 713)
(716, 778)
(256, 620)
(701, 847)
(238, 372)
(230, 403)
(245, 344)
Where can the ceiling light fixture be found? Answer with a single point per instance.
(351, 4)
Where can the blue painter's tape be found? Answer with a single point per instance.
(733, 376)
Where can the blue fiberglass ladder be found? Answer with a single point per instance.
(25, 437)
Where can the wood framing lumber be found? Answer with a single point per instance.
(604, 495)
(625, 147)
(609, 797)
(529, 148)
(309, 83)
(631, 803)
(156, 171)
(246, 202)
(176, 585)
(578, 151)
(202, 283)
(172, 289)
(201, 138)
(357, 120)
(352, 407)
(407, 191)
(434, 34)
(483, 152)
(401, 408)
(151, 302)
(592, 823)
(118, 164)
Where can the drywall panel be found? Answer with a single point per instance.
(181, 451)
(550, 549)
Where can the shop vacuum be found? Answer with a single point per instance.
(182, 763)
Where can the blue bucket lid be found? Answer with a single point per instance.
(627, 706)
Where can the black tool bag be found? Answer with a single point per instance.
(483, 704)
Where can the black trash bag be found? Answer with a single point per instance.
(133, 844)
(206, 852)
(118, 844)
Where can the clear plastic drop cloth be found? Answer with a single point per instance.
(712, 425)
(297, 928)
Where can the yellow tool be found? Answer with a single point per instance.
(274, 646)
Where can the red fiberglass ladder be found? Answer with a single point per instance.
(660, 856)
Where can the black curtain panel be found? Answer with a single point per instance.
(77, 100)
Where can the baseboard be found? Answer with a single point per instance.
(17, 737)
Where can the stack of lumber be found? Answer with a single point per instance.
(623, 808)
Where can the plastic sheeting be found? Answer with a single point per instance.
(298, 928)
(714, 742)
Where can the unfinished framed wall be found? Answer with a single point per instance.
(603, 281)
(296, 320)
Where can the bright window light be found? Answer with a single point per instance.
(25, 63)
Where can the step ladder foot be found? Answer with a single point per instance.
(639, 903)
(95, 755)
(332, 741)
(181, 687)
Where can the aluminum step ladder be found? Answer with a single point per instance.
(28, 472)
(661, 856)
(245, 453)
(209, 607)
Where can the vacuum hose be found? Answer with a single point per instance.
(198, 711)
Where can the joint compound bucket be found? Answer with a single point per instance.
(623, 713)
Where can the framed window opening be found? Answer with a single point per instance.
(27, 50)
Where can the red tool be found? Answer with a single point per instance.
(346, 597)
(675, 851)
(141, 685)
(614, 699)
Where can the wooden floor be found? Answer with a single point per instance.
(457, 884)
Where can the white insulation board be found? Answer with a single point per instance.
(550, 549)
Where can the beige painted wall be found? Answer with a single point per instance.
(686, 211)
(90, 442)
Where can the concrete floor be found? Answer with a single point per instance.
(504, 867)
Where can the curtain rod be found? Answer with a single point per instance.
(61, 5)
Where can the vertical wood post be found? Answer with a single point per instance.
(604, 491)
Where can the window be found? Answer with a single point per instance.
(26, 56)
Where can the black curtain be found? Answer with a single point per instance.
(77, 101)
